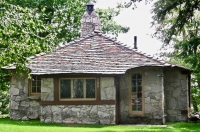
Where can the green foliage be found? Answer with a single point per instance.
(4, 94)
(173, 16)
(3, 81)
(133, 3)
(20, 29)
(109, 26)
(4, 103)
(192, 109)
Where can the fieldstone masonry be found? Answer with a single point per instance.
(160, 102)
(107, 88)
(81, 114)
(90, 23)
(22, 107)
(153, 98)
(47, 90)
(176, 92)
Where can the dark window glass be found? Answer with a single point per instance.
(139, 108)
(134, 76)
(34, 83)
(134, 108)
(90, 88)
(134, 83)
(34, 78)
(39, 89)
(139, 76)
(139, 82)
(139, 95)
(39, 83)
(139, 88)
(78, 88)
(33, 89)
(133, 88)
(65, 88)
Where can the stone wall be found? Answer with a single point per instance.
(47, 89)
(22, 107)
(176, 93)
(153, 97)
(107, 86)
(81, 114)
(168, 101)
(90, 23)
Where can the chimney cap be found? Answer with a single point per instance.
(90, 3)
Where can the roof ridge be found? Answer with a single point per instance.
(135, 50)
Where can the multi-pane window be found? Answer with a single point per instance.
(77, 88)
(35, 85)
(136, 93)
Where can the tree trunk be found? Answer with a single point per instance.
(195, 108)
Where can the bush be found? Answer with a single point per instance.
(4, 103)
(4, 94)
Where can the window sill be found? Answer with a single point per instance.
(34, 97)
(99, 102)
(132, 116)
(78, 99)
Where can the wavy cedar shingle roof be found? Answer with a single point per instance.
(95, 53)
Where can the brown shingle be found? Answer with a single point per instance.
(94, 53)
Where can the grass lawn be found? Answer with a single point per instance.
(7, 125)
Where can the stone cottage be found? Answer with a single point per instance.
(98, 80)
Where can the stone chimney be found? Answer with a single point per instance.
(90, 21)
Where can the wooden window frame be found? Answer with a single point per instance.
(84, 90)
(31, 84)
(140, 113)
(56, 100)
